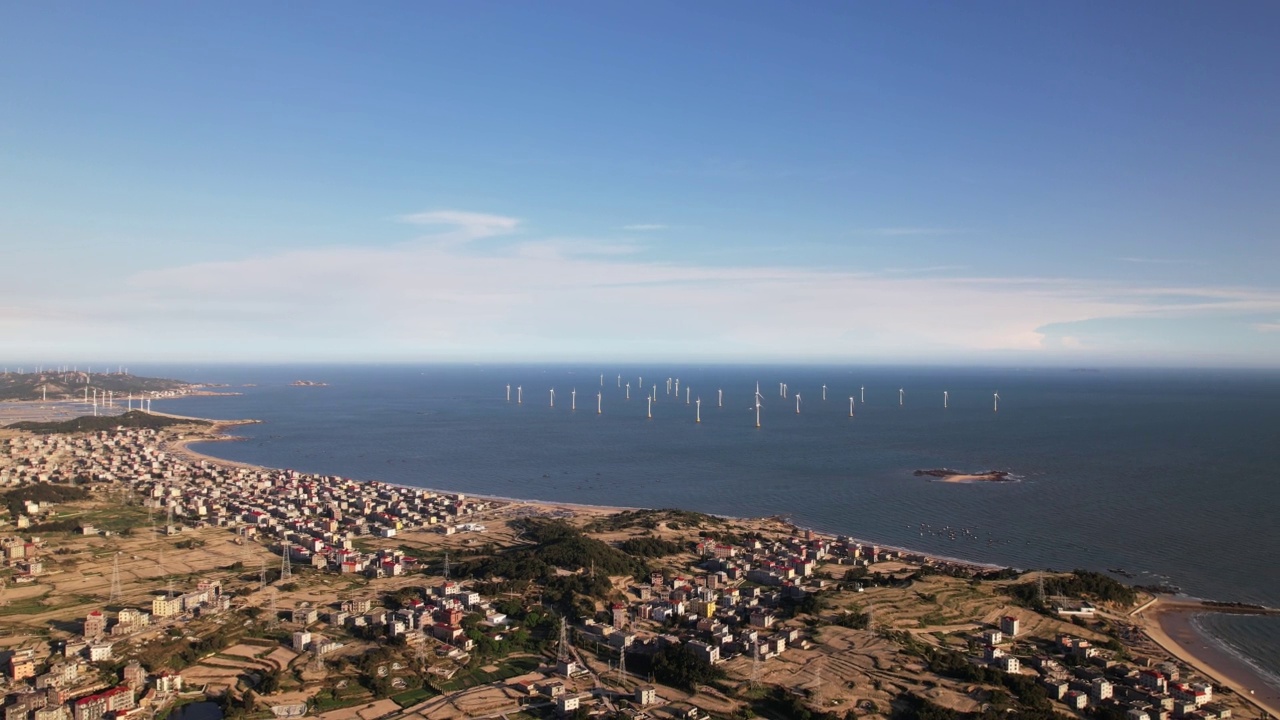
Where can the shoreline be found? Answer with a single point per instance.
(1166, 621)
(1170, 623)
(218, 427)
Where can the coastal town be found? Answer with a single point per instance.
(141, 578)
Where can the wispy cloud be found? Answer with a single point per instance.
(645, 227)
(1271, 327)
(459, 226)
(571, 297)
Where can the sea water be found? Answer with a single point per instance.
(1165, 476)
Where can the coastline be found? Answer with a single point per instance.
(1170, 623)
(218, 429)
(1167, 621)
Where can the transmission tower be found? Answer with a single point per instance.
(262, 574)
(562, 649)
(274, 618)
(115, 580)
(286, 572)
(1040, 588)
(446, 567)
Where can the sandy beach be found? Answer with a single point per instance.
(1169, 624)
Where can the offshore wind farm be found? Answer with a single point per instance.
(1093, 450)
(1160, 477)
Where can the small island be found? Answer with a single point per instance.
(308, 383)
(955, 476)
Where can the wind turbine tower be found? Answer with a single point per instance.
(553, 397)
(850, 406)
(508, 392)
(900, 393)
(698, 410)
(824, 392)
(650, 407)
(573, 399)
(797, 403)
(599, 403)
(995, 407)
(945, 398)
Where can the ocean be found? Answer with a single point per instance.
(1161, 476)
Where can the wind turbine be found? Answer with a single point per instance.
(686, 394)
(757, 411)
(850, 406)
(944, 399)
(573, 399)
(797, 403)
(824, 392)
(628, 391)
(508, 392)
(995, 399)
(650, 407)
(519, 394)
(698, 410)
(553, 397)
(899, 397)
(720, 398)
(599, 403)
(862, 398)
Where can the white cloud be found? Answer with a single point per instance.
(1272, 327)
(575, 298)
(459, 226)
(645, 227)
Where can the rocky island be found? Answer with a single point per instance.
(955, 476)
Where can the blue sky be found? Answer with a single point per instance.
(991, 183)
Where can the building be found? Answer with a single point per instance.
(22, 665)
(95, 707)
(95, 625)
(1009, 625)
(99, 651)
(134, 675)
(167, 682)
(708, 653)
(301, 640)
(567, 704)
(165, 606)
(646, 695)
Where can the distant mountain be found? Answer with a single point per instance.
(72, 385)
